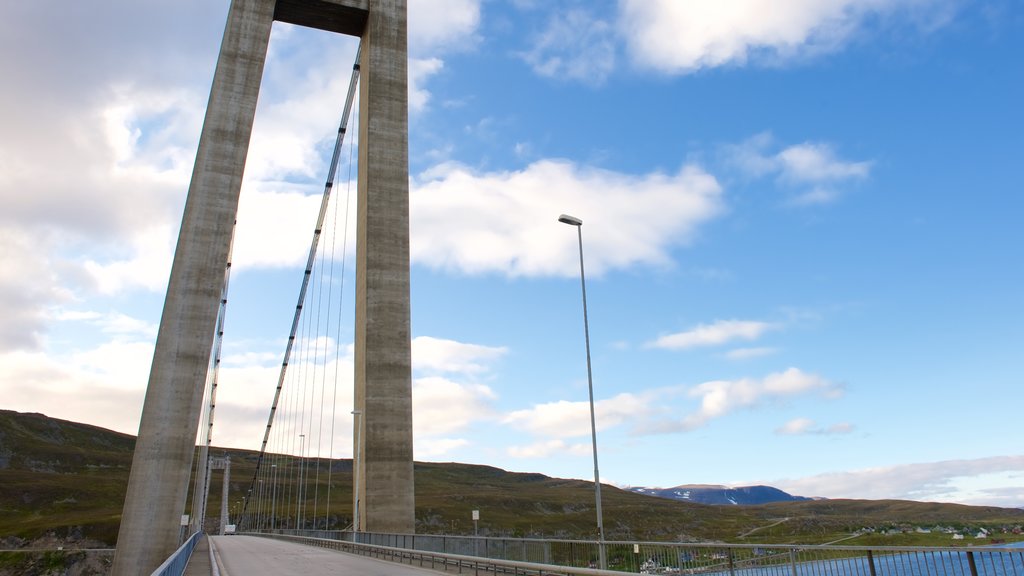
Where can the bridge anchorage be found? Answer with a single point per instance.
(172, 410)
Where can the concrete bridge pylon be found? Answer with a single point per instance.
(172, 409)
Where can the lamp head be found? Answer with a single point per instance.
(570, 220)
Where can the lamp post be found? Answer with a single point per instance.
(299, 504)
(261, 520)
(355, 472)
(273, 497)
(573, 221)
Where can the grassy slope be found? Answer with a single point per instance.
(69, 479)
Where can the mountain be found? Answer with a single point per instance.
(721, 495)
(65, 481)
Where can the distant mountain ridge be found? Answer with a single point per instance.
(721, 495)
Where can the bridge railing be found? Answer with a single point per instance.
(708, 559)
(176, 563)
(439, 561)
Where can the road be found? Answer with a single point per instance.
(251, 555)
(776, 523)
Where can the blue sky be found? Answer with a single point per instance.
(799, 225)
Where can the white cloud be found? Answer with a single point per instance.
(564, 419)
(23, 303)
(720, 332)
(300, 105)
(930, 481)
(439, 25)
(575, 46)
(442, 406)
(682, 37)
(436, 27)
(102, 386)
(420, 70)
(748, 353)
(506, 222)
(440, 355)
(815, 162)
(795, 426)
(146, 265)
(721, 397)
(549, 448)
(816, 196)
(290, 218)
(446, 405)
(811, 168)
(805, 426)
(435, 447)
(116, 323)
(94, 160)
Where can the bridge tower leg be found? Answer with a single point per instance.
(383, 361)
(172, 409)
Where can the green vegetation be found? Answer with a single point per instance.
(67, 481)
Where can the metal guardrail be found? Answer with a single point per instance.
(176, 563)
(442, 561)
(699, 559)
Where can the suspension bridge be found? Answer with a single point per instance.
(181, 394)
(289, 517)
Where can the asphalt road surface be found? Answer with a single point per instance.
(251, 555)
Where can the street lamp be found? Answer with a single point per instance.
(573, 221)
(299, 504)
(355, 472)
(273, 498)
(261, 520)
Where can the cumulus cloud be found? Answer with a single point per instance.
(440, 25)
(441, 355)
(292, 216)
(806, 426)
(812, 169)
(125, 132)
(435, 447)
(103, 385)
(420, 70)
(721, 397)
(23, 303)
(575, 46)
(94, 159)
(815, 162)
(449, 399)
(145, 261)
(935, 481)
(443, 406)
(548, 448)
(564, 419)
(682, 37)
(748, 353)
(717, 333)
(506, 222)
(437, 27)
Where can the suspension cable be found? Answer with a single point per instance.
(342, 128)
(201, 484)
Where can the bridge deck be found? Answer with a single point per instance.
(251, 555)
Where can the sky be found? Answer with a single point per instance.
(800, 232)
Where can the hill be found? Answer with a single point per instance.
(67, 480)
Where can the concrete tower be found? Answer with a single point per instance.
(163, 454)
